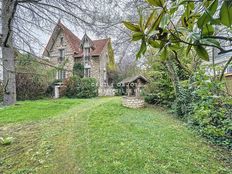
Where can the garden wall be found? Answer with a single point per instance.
(133, 102)
(229, 83)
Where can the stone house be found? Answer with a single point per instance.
(64, 49)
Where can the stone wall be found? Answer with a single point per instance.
(55, 54)
(133, 102)
(229, 83)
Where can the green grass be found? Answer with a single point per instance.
(35, 110)
(101, 136)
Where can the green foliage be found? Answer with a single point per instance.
(226, 13)
(32, 78)
(78, 70)
(158, 24)
(212, 109)
(159, 91)
(111, 64)
(76, 87)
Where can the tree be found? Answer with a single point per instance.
(172, 23)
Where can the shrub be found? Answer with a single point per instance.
(32, 78)
(78, 70)
(159, 91)
(76, 87)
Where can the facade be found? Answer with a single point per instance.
(64, 49)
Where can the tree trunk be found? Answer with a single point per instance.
(8, 56)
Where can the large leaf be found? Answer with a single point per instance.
(210, 41)
(150, 19)
(153, 43)
(137, 36)
(156, 23)
(131, 26)
(164, 21)
(141, 20)
(202, 53)
(226, 13)
(142, 50)
(208, 14)
(157, 3)
(207, 29)
(164, 53)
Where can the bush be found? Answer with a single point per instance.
(159, 91)
(32, 78)
(76, 87)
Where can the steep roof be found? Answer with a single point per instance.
(75, 42)
(133, 79)
(98, 46)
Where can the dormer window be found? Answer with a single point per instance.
(62, 41)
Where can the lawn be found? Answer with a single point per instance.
(35, 110)
(101, 136)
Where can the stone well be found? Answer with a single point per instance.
(133, 102)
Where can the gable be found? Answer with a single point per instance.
(71, 38)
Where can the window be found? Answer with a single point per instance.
(62, 41)
(229, 69)
(61, 74)
(61, 57)
(87, 72)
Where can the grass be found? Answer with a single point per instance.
(101, 136)
(35, 110)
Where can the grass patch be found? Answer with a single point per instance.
(101, 136)
(35, 110)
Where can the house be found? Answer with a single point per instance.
(64, 49)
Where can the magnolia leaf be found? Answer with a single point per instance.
(142, 49)
(164, 21)
(141, 20)
(131, 26)
(226, 13)
(208, 14)
(155, 25)
(137, 36)
(150, 19)
(202, 53)
(154, 43)
(164, 53)
(157, 3)
(210, 41)
(207, 30)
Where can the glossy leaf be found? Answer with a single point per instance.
(150, 19)
(164, 53)
(137, 36)
(210, 41)
(142, 49)
(157, 3)
(131, 26)
(208, 14)
(202, 53)
(164, 21)
(154, 43)
(226, 13)
(208, 30)
(155, 25)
